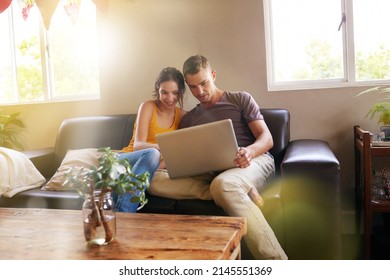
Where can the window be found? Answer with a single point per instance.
(333, 43)
(60, 64)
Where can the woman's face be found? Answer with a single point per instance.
(168, 94)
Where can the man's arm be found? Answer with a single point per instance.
(262, 144)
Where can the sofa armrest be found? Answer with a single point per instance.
(311, 157)
(43, 159)
(310, 191)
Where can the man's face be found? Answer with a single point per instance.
(202, 85)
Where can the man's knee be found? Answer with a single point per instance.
(223, 187)
(217, 187)
(228, 183)
(225, 191)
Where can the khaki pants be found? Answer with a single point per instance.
(230, 190)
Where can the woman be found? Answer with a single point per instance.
(154, 116)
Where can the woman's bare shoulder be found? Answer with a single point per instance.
(146, 106)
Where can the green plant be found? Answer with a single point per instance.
(10, 127)
(111, 175)
(382, 108)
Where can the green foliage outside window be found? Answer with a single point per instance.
(374, 66)
(29, 71)
(324, 65)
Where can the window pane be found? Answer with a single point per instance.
(28, 54)
(73, 45)
(306, 42)
(7, 87)
(372, 40)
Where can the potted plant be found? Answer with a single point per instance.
(96, 185)
(382, 108)
(10, 127)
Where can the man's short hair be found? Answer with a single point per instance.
(193, 64)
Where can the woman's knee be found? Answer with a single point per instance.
(153, 154)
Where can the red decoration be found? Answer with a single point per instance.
(26, 11)
(26, 6)
(4, 4)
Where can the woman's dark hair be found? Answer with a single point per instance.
(170, 74)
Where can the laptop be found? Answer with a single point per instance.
(199, 149)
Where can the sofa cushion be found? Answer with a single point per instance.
(77, 159)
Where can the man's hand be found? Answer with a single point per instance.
(243, 158)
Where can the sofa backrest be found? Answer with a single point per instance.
(115, 131)
(278, 122)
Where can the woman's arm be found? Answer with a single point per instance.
(145, 113)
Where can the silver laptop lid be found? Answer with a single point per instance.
(199, 149)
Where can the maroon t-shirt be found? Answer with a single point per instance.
(240, 107)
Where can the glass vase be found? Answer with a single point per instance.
(99, 218)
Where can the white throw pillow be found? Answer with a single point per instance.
(17, 173)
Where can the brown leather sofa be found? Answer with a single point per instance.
(302, 202)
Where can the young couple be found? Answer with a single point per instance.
(236, 189)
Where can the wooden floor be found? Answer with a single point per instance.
(352, 244)
(381, 244)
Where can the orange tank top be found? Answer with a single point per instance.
(154, 129)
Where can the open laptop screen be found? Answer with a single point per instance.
(199, 149)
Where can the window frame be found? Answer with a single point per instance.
(349, 79)
(47, 71)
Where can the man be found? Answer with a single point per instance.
(236, 189)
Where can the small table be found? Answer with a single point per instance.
(365, 151)
(47, 234)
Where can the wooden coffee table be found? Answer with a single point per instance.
(46, 234)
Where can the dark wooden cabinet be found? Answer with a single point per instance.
(364, 154)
